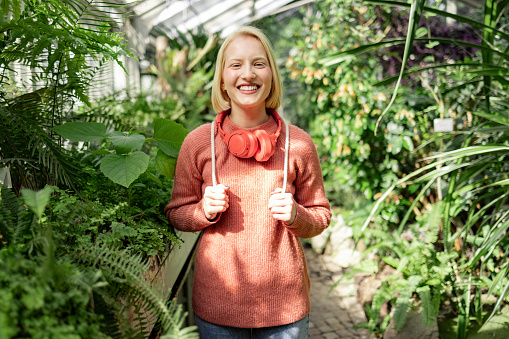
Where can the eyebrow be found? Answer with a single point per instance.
(240, 59)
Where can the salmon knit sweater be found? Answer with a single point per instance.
(250, 268)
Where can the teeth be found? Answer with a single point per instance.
(248, 88)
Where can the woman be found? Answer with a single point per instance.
(251, 277)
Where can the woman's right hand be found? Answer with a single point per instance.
(215, 200)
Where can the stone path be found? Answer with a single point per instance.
(334, 312)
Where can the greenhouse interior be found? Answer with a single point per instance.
(405, 102)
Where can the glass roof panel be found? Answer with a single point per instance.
(214, 15)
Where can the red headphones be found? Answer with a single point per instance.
(245, 144)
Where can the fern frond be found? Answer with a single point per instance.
(432, 225)
(58, 39)
(403, 301)
(29, 150)
(15, 220)
(9, 214)
(177, 331)
(128, 271)
(429, 305)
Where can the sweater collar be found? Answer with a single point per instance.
(270, 126)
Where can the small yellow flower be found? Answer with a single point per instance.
(346, 150)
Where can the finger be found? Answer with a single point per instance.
(216, 196)
(214, 202)
(282, 217)
(280, 201)
(212, 209)
(216, 209)
(221, 188)
(280, 195)
(281, 210)
(276, 191)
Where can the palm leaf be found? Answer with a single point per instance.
(493, 69)
(445, 14)
(338, 57)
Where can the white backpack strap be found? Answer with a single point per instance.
(287, 145)
(213, 149)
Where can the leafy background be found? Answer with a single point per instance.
(82, 230)
(428, 207)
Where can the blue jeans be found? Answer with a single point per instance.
(296, 330)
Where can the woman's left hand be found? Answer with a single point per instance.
(282, 206)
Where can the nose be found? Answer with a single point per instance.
(248, 73)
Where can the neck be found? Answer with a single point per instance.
(248, 118)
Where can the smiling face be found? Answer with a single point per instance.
(247, 76)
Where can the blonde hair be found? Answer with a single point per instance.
(220, 99)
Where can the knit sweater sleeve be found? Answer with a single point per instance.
(185, 210)
(313, 208)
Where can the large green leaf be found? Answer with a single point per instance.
(495, 235)
(444, 67)
(496, 118)
(82, 131)
(125, 143)
(413, 23)
(169, 136)
(341, 56)
(37, 201)
(165, 164)
(501, 274)
(470, 151)
(504, 182)
(444, 14)
(500, 299)
(125, 168)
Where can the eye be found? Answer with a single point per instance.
(259, 64)
(235, 65)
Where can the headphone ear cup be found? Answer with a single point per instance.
(242, 144)
(266, 146)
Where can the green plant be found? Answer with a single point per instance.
(63, 44)
(57, 286)
(74, 257)
(415, 267)
(128, 162)
(185, 69)
(341, 106)
(468, 171)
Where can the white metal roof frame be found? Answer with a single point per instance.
(214, 16)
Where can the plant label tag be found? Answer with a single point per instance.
(443, 125)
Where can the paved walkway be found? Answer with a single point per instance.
(335, 313)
